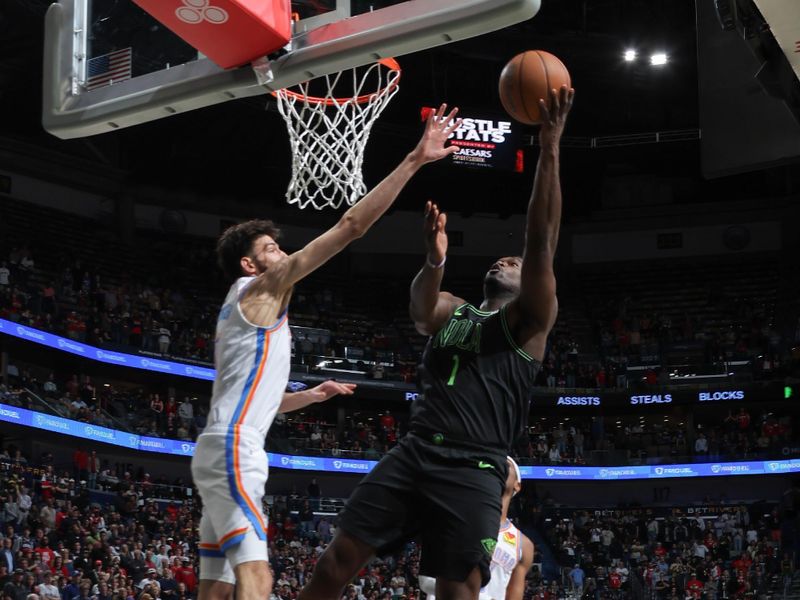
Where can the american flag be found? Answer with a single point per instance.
(108, 68)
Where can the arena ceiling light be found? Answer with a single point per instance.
(630, 55)
(658, 59)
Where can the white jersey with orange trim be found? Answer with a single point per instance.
(252, 364)
(507, 554)
(229, 466)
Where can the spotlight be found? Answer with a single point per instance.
(630, 55)
(658, 59)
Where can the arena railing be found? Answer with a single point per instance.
(591, 397)
(50, 408)
(29, 418)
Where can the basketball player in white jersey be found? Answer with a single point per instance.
(252, 357)
(512, 556)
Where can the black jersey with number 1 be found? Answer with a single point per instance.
(476, 382)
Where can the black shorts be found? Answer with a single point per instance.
(449, 498)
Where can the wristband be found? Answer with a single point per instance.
(433, 266)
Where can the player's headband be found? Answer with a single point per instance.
(515, 466)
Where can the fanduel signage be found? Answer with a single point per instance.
(94, 433)
(159, 365)
(105, 356)
(36, 420)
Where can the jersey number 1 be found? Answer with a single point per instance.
(453, 373)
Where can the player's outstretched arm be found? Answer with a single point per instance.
(361, 216)
(537, 306)
(324, 391)
(430, 308)
(516, 585)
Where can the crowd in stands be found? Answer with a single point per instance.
(739, 552)
(597, 440)
(99, 531)
(736, 434)
(155, 415)
(362, 436)
(635, 315)
(96, 531)
(131, 409)
(74, 299)
(564, 368)
(65, 535)
(706, 315)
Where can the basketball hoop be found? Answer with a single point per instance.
(329, 131)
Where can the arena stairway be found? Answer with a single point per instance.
(777, 591)
(550, 567)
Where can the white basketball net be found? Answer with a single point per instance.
(328, 134)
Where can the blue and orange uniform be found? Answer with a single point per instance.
(229, 466)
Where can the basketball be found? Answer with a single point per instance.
(526, 79)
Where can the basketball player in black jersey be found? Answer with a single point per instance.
(443, 482)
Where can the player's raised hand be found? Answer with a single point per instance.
(435, 233)
(328, 389)
(554, 115)
(437, 129)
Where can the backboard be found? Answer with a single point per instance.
(109, 65)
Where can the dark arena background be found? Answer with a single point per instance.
(663, 443)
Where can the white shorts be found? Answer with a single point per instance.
(428, 585)
(230, 471)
